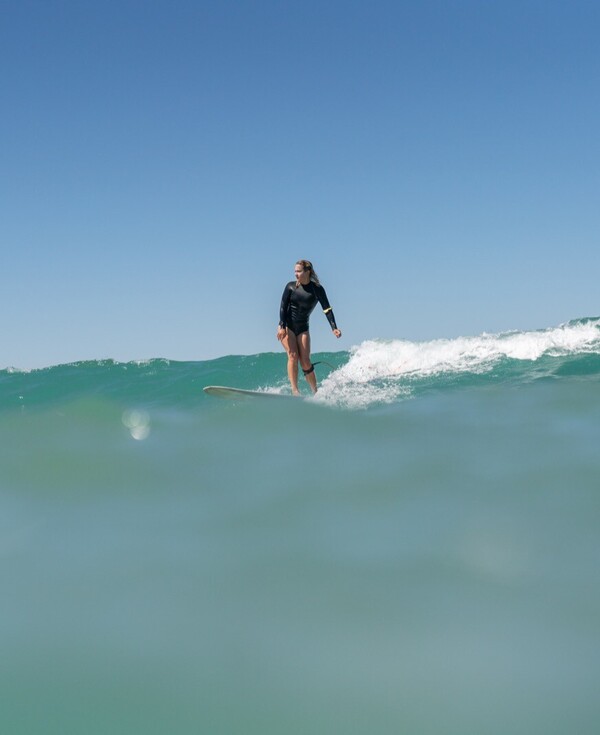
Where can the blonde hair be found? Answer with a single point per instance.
(308, 266)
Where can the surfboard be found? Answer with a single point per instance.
(222, 391)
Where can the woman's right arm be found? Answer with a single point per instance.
(283, 309)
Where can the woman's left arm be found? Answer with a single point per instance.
(328, 311)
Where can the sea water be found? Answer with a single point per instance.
(414, 551)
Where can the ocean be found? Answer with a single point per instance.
(416, 550)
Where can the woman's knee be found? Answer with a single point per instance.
(292, 356)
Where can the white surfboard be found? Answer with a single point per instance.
(222, 391)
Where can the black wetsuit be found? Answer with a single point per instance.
(297, 304)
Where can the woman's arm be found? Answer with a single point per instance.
(327, 310)
(283, 308)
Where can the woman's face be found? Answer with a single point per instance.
(298, 271)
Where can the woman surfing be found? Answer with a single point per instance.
(297, 303)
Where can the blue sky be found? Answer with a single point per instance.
(164, 164)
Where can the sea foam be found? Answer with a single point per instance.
(378, 370)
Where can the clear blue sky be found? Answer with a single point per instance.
(163, 165)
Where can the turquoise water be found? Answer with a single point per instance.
(416, 551)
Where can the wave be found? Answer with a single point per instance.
(385, 371)
(373, 373)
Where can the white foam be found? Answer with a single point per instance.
(12, 370)
(372, 374)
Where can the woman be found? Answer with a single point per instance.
(299, 299)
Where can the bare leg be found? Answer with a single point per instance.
(303, 341)
(290, 344)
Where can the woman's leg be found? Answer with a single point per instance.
(303, 341)
(290, 344)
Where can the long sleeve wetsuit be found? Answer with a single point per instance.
(297, 304)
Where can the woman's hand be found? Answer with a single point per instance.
(281, 332)
(337, 333)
